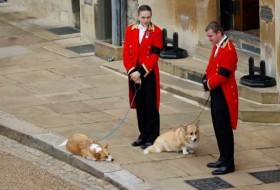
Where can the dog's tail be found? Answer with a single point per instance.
(64, 143)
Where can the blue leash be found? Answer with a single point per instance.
(123, 119)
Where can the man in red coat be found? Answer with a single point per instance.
(220, 81)
(142, 45)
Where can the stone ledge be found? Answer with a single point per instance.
(105, 50)
(48, 142)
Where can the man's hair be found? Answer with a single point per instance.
(215, 26)
(144, 8)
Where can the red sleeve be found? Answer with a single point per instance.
(128, 63)
(228, 64)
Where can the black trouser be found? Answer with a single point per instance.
(222, 126)
(146, 110)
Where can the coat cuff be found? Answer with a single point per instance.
(143, 71)
(133, 69)
(208, 85)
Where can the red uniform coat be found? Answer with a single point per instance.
(146, 54)
(220, 72)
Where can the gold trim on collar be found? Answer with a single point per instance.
(150, 27)
(135, 26)
(224, 43)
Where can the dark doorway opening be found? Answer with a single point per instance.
(103, 16)
(240, 15)
(226, 10)
(76, 12)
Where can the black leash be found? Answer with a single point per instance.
(123, 119)
(132, 101)
(205, 104)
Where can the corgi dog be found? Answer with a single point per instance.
(81, 145)
(183, 139)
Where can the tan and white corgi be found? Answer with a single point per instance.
(81, 145)
(183, 139)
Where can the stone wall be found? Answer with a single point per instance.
(267, 36)
(67, 11)
(88, 18)
(188, 18)
(132, 6)
(270, 37)
(277, 41)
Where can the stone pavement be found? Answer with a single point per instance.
(48, 93)
(25, 168)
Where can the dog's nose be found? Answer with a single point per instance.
(112, 159)
(194, 140)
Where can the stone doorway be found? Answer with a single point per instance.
(246, 16)
(76, 12)
(241, 21)
(240, 15)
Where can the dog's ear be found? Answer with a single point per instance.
(197, 123)
(97, 156)
(92, 152)
(184, 128)
(106, 146)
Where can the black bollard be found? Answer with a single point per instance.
(175, 41)
(262, 70)
(170, 49)
(257, 80)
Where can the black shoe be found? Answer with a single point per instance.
(138, 142)
(216, 164)
(147, 144)
(223, 170)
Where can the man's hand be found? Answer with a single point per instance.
(204, 83)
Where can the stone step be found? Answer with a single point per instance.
(245, 41)
(203, 52)
(249, 111)
(259, 113)
(193, 68)
(186, 68)
(268, 95)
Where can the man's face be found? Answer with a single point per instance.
(213, 37)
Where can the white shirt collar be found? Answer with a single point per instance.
(142, 30)
(141, 27)
(220, 42)
(219, 45)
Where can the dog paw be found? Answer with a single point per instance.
(191, 151)
(146, 151)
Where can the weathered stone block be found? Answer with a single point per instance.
(105, 50)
